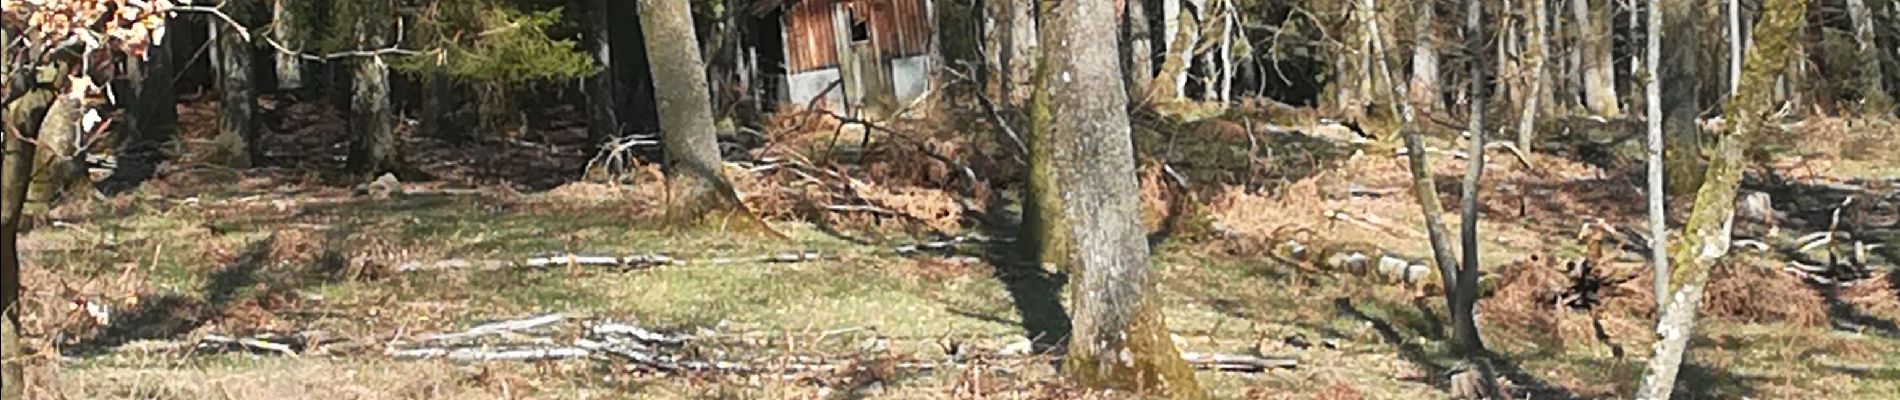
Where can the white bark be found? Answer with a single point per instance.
(1658, 227)
(1734, 46)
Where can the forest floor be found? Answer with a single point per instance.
(343, 280)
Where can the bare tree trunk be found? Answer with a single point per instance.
(1658, 227)
(1465, 294)
(287, 24)
(1018, 54)
(602, 124)
(697, 187)
(1681, 99)
(1228, 29)
(374, 148)
(237, 85)
(1874, 99)
(1137, 49)
(1536, 52)
(1706, 237)
(1598, 68)
(1734, 45)
(1424, 83)
(1082, 174)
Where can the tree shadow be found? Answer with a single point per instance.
(170, 315)
(1035, 293)
(1845, 316)
(1411, 351)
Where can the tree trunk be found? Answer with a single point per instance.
(287, 24)
(1181, 34)
(1424, 83)
(1873, 94)
(1536, 52)
(373, 147)
(1653, 116)
(1083, 186)
(237, 106)
(1016, 22)
(57, 171)
(16, 166)
(602, 123)
(686, 119)
(1598, 66)
(1681, 99)
(1137, 49)
(151, 115)
(1464, 297)
(1706, 237)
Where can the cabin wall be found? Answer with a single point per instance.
(901, 31)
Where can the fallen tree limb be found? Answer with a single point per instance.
(498, 327)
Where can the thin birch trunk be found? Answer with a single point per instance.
(1706, 237)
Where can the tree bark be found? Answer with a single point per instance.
(1653, 116)
(237, 107)
(373, 146)
(1181, 34)
(1465, 295)
(1137, 48)
(1873, 94)
(1598, 66)
(16, 168)
(287, 24)
(1706, 237)
(1536, 51)
(602, 123)
(1681, 99)
(1424, 89)
(1017, 55)
(57, 171)
(686, 120)
(1085, 210)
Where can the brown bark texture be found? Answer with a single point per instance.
(1085, 214)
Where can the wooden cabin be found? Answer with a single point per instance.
(871, 55)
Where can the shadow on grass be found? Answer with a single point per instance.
(1846, 316)
(1430, 327)
(172, 314)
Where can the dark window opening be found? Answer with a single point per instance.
(860, 28)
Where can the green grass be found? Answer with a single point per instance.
(1389, 344)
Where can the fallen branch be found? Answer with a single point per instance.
(499, 327)
(469, 354)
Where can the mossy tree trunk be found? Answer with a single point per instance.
(686, 120)
(1873, 94)
(1598, 66)
(237, 86)
(1085, 213)
(1706, 237)
(1179, 35)
(16, 167)
(374, 148)
(602, 123)
(57, 171)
